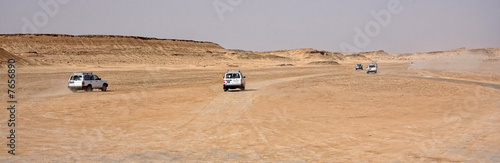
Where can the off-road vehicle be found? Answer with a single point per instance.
(371, 68)
(86, 81)
(234, 79)
(359, 66)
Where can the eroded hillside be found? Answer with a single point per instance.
(55, 49)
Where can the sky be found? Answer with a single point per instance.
(396, 26)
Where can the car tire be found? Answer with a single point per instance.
(225, 89)
(243, 88)
(104, 87)
(88, 88)
(73, 90)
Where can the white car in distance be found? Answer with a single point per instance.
(86, 81)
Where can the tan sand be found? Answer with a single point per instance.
(165, 103)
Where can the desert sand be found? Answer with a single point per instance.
(165, 103)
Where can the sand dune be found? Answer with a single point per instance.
(5, 56)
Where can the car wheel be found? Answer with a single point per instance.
(104, 87)
(88, 88)
(243, 88)
(73, 90)
(225, 89)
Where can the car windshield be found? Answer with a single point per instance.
(76, 77)
(232, 75)
(371, 66)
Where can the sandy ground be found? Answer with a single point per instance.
(165, 103)
(295, 113)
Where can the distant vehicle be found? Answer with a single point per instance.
(86, 81)
(359, 66)
(234, 79)
(371, 68)
(374, 63)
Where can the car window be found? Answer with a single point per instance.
(95, 77)
(232, 75)
(87, 77)
(76, 77)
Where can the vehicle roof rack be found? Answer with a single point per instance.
(83, 73)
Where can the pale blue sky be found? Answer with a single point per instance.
(261, 25)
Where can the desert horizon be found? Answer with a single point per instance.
(165, 102)
(250, 81)
(161, 46)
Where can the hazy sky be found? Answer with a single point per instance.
(260, 25)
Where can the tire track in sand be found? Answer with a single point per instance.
(225, 110)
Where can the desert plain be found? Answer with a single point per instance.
(165, 102)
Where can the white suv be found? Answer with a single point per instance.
(372, 68)
(86, 81)
(234, 79)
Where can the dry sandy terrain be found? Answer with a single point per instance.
(165, 103)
